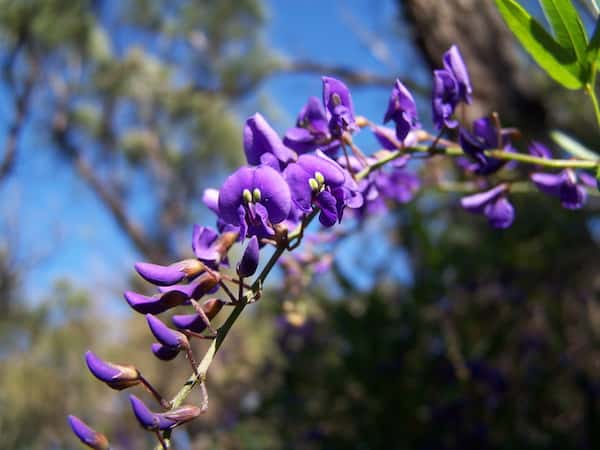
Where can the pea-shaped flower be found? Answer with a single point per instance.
(402, 109)
(340, 110)
(311, 130)
(320, 181)
(493, 204)
(565, 185)
(165, 335)
(262, 144)
(485, 136)
(87, 435)
(249, 262)
(255, 198)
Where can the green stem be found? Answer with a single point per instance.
(592, 93)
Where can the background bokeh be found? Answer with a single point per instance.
(429, 331)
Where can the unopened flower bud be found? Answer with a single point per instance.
(163, 352)
(162, 421)
(212, 306)
(165, 335)
(159, 275)
(87, 435)
(249, 261)
(116, 376)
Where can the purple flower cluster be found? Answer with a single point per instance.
(315, 170)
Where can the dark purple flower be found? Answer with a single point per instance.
(255, 198)
(485, 136)
(116, 376)
(164, 352)
(260, 139)
(402, 110)
(451, 85)
(87, 435)
(338, 102)
(455, 65)
(249, 262)
(564, 185)
(493, 204)
(444, 99)
(165, 335)
(162, 421)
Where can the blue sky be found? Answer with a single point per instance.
(64, 231)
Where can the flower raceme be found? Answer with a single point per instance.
(316, 169)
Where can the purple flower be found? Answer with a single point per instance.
(165, 335)
(249, 262)
(455, 65)
(402, 110)
(564, 185)
(162, 421)
(116, 376)
(260, 140)
(317, 180)
(312, 128)
(87, 435)
(164, 352)
(255, 198)
(338, 102)
(484, 137)
(398, 185)
(445, 99)
(451, 85)
(493, 204)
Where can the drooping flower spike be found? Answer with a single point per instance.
(254, 199)
(116, 376)
(493, 204)
(87, 435)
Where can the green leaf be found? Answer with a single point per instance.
(594, 44)
(573, 147)
(567, 26)
(560, 63)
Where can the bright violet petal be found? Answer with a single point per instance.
(192, 322)
(275, 193)
(331, 171)
(164, 334)
(230, 194)
(100, 369)
(147, 305)
(87, 435)
(454, 63)
(159, 275)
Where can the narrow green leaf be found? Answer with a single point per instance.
(594, 44)
(561, 64)
(567, 26)
(573, 147)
